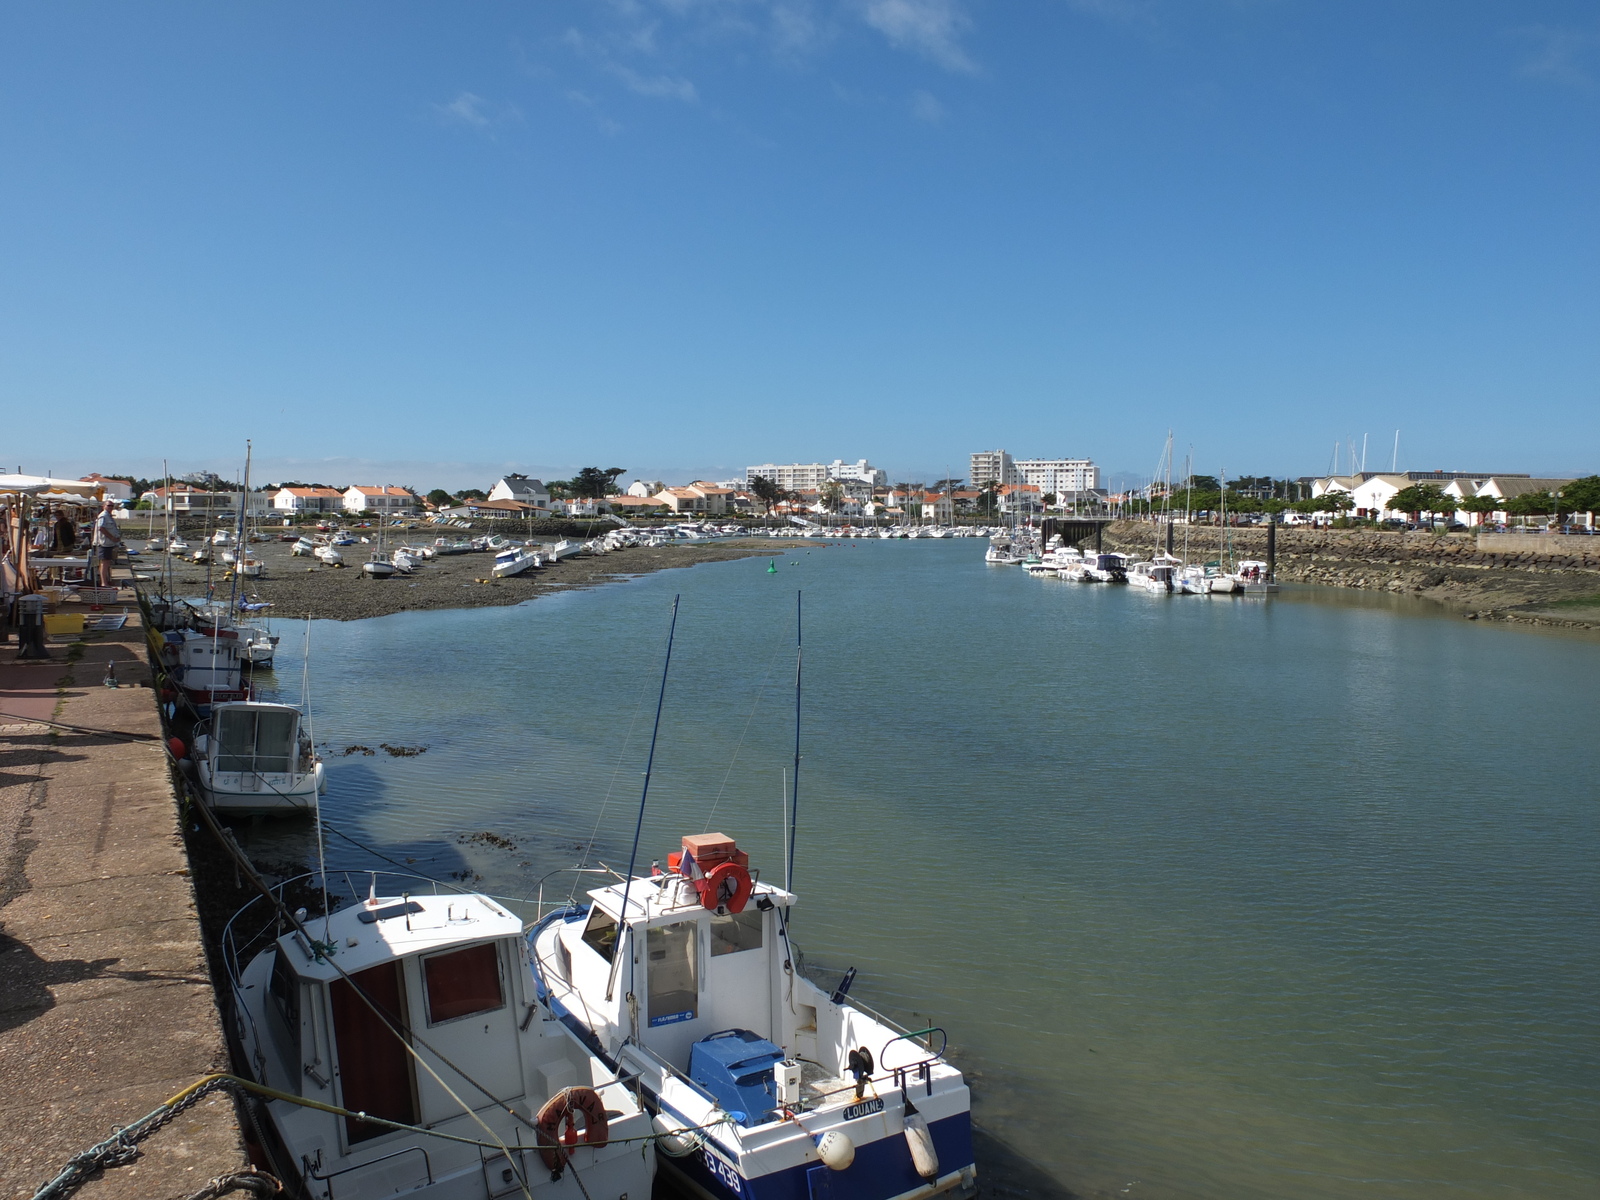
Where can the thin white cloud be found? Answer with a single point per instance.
(931, 28)
(926, 107)
(1558, 55)
(661, 87)
(465, 109)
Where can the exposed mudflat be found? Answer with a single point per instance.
(299, 587)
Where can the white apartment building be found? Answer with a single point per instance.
(308, 499)
(1063, 476)
(808, 477)
(992, 466)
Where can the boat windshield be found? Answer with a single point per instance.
(256, 740)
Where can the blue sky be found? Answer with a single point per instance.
(424, 243)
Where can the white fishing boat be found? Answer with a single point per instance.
(201, 553)
(250, 566)
(206, 664)
(303, 547)
(177, 546)
(514, 560)
(378, 568)
(410, 1017)
(222, 537)
(255, 758)
(563, 549)
(404, 561)
(328, 556)
(768, 1085)
(440, 546)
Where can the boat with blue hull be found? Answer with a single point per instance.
(762, 1085)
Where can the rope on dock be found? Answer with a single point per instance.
(122, 1148)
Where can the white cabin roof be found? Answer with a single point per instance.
(401, 926)
(660, 899)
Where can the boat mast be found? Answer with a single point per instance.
(239, 536)
(794, 780)
(638, 827)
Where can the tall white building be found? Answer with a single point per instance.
(1063, 476)
(808, 477)
(992, 466)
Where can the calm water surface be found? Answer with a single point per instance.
(1216, 898)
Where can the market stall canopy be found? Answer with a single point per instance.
(42, 487)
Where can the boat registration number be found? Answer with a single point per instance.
(723, 1172)
(865, 1108)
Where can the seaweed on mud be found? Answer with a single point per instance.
(401, 751)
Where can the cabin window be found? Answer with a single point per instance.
(736, 932)
(255, 740)
(375, 1074)
(284, 988)
(463, 983)
(600, 934)
(674, 986)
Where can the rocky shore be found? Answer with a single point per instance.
(300, 587)
(1532, 578)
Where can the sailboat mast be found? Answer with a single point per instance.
(794, 781)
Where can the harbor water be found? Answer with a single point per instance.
(1216, 898)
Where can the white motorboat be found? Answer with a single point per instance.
(404, 561)
(410, 1016)
(767, 1085)
(1253, 578)
(1103, 567)
(563, 549)
(201, 553)
(255, 758)
(328, 556)
(222, 537)
(378, 568)
(177, 546)
(514, 560)
(303, 547)
(249, 566)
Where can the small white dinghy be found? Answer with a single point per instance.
(413, 1007)
(514, 561)
(767, 1085)
(328, 556)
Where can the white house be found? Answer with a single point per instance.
(703, 499)
(1508, 487)
(308, 499)
(523, 489)
(939, 508)
(646, 488)
(113, 489)
(1020, 498)
(493, 510)
(387, 500)
(194, 502)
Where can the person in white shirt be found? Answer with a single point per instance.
(107, 541)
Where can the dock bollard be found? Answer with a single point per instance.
(30, 628)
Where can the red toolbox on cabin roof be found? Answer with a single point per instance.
(708, 850)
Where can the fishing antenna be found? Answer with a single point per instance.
(794, 779)
(649, 765)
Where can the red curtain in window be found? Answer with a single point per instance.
(462, 983)
(375, 1072)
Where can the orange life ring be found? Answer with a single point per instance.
(554, 1142)
(728, 886)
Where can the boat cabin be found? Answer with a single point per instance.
(443, 1023)
(253, 756)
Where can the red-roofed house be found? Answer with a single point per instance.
(388, 500)
(307, 499)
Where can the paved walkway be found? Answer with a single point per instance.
(106, 1006)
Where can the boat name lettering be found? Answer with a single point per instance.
(865, 1108)
(672, 1018)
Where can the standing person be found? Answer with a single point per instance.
(66, 533)
(107, 540)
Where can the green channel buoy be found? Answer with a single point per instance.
(772, 567)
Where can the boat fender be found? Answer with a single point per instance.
(836, 1150)
(673, 1140)
(177, 748)
(554, 1142)
(923, 1156)
(726, 886)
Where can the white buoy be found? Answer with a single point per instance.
(836, 1150)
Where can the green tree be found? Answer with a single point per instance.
(1531, 504)
(1334, 502)
(1048, 499)
(593, 483)
(766, 491)
(440, 498)
(832, 495)
(1421, 498)
(472, 494)
(1582, 495)
(1482, 505)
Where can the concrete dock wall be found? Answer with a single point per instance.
(106, 1004)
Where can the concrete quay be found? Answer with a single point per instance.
(106, 1003)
